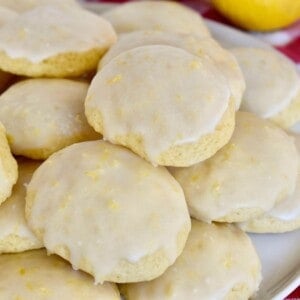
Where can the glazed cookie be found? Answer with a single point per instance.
(15, 236)
(168, 16)
(54, 41)
(284, 216)
(225, 61)
(24, 5)
(8, 167)
(218, 262)
(111, 214)
(167, 105)
(272, 85)
(42, 116)
(247, 177)
(34, 275)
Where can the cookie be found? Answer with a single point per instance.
(8, 167)
(34, 275)
(218, 262)
(284, 216)
(247, 177)
(42, 116)
(15, 236)
(272, 85)
(169, 106)
(21, 6)
(111, 214)
(168, 16)
(54, 41)
(225, 61)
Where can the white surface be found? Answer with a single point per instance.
(279, 253)
(230, 37)
(280, 257)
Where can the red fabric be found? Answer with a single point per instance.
(291, 49)
(294, 295)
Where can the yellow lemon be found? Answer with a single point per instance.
(261, 15)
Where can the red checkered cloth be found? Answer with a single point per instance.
(286, 40)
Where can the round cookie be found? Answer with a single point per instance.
(21, 6)
(284, 216)
(168, 16)
(8, 167)
(272, 85)
(54, 41)
(15, 236)
(111, 214)
(165, 104)
(42, 116)
(247, 177)
(225, 61)
(34, 275)
(218, 262)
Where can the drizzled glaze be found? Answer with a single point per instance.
(49, 30)
(105, 204)
(161, 93)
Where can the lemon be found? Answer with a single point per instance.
(261, 15)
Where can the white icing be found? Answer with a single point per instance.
(34, 275)
(46, 31)
(156, 15)
(12, 214)
(224, 60)
(164, 94)
(256, 169)
(109, 205)
(6, 15)
(289, 209)
(24, 5)
(207, 268)
(272, 80)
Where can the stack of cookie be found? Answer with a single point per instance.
(106, 175)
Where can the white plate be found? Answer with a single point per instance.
(279, 253)
(280, 258)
